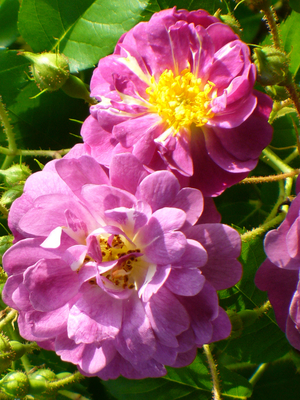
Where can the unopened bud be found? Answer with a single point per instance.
(229, 20)
(272, 66)
(38, 381)
(277, 92)
(15, 384)
(6, 353)
(15, 174)
(11, 195)
(49, 70)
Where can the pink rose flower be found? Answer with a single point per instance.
(178, 93)
(117, 274)
(279, 273)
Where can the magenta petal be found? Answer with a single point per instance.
(9, 289)
(78, 172)
(126, 172)
(292, 333)
(167, 316)
(101, 142)
(229, 61)
(159, 189)
(191, 201)
(203, 308)
(224, 159)
(136, 341)
(67, 349)
(165, 354)
(94, 358)
(47, 324)
(102, 198)
(151, 287)
(129, 132)
(221, 34)
(26, 253)
(271, 278)
(223, 245)
(185, 282)
(184, 359)
(95, 317)
(51, 284)
(221, 326)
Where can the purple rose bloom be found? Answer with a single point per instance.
(279, 274)
(178, 93)
(112, 272)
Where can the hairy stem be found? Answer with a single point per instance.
(44, 153)
(270, 178)
(214, 373)
(9, 135)
(263, 228)
(271, 20)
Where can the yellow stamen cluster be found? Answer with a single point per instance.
(181, 100)
(120, 275)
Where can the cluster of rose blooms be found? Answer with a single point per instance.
(119, 250)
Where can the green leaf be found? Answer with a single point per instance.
(189, 383)
(40, 122)
(279, 381)
(84, 31)
(290, 33)
(8, 21)
(295, 5)
(210, 6)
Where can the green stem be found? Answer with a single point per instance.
(292, 89)
(55, 385)
(271, 19)
(292, 156)
(270, 158)
(270, 178)
(44, 153)
(214, 373)
(263, 228)
(258, 373)
(280, 200)
(72, 395)
(9, 135)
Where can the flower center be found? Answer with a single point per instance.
(122, 275)
(181, 100)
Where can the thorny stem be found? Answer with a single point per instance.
(271, 20)
(258, 373)
(65, 381)
(214, 373)
(9, 135)
(270, 178)
(294, 95)
(263, 228)
(280, 200)
(44, 153)
(72, 395)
